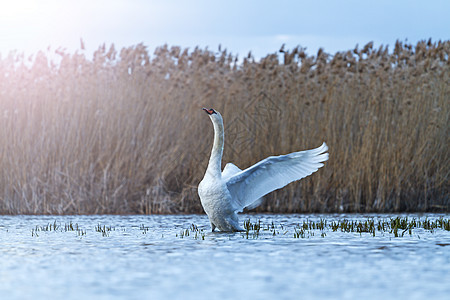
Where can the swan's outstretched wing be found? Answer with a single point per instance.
(272, 173)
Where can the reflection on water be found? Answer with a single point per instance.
(151, 257)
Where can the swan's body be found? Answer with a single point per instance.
(224, 194)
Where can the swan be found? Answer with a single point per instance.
(225, 193)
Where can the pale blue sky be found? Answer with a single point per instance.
(259, 26)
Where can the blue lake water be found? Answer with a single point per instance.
(151, 257)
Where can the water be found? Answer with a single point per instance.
(157, 261)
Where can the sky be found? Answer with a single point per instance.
(240, 26)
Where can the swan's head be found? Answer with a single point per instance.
(214, 115)
(209, 111)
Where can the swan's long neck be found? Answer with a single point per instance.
(215, 161)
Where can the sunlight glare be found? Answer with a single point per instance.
(31, 25)
(17, 11)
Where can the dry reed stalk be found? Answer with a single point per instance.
(123, 133)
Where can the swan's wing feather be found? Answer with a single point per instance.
(248, 186)
(230, 170)
(255, 204)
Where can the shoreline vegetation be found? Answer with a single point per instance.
(123, 132)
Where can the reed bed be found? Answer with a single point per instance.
(123, 132)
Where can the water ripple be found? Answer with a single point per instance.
(151, 257)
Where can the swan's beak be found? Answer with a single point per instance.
(209, 111)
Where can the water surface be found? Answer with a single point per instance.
(150, 257)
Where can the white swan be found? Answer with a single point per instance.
(224, 194)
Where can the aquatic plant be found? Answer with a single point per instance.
(299, 232)
(57, 227)
(397, 226)
(144, 228)
(105, 230)
(371, 226)
(198, 233)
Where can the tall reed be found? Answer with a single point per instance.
(124, 132)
